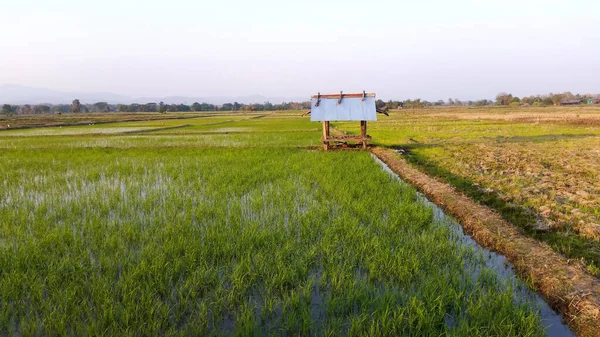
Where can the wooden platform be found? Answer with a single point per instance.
(329, 141)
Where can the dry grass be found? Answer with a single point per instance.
(516, 114)
(561, 182)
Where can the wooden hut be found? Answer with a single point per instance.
(570, 102)
(343, 107)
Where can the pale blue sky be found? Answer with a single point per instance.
(398, 49)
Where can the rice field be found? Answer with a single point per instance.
(233, 227)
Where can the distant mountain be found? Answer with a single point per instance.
(19, 94)
(208, 99)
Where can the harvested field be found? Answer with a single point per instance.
(572, 115)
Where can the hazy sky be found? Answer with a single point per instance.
(398, 49)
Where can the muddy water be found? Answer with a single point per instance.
(552, 321)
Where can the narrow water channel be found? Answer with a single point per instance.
(552, 321)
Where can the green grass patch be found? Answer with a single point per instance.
(266, 241)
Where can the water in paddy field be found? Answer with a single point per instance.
(555, 327)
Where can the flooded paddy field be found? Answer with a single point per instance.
(236, 229)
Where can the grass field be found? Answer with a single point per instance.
(231, 226)
(40, 120)
(538, 167)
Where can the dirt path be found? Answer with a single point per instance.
(562, 282)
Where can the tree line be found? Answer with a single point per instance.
(77, 107)
(502, 99)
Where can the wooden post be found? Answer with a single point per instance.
(325, 135)
(363, 133)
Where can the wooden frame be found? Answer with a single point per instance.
(344, 95)
(327, 139)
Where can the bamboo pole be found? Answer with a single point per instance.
(363, 133)
(325, 135)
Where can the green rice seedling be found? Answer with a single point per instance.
(147, 234)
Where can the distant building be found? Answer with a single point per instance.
(593, 101)
(570, 102)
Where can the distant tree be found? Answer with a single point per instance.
(393, 104)
(26, 109)
(282, 106)
(227, 107)
(40, 109)
(183, 107)
(516, 100)
(504, 98)
(171, 108)
(59, 109)
(7, 109)
(134, 107)
(101, 107)
(412, 104)
(196, 106)
(547, 101)
(161, 107)
(236, 106)
(75, 106)
(557, 98)
(62, 108)
(122, 107)
(450, 101)
(148, 107)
